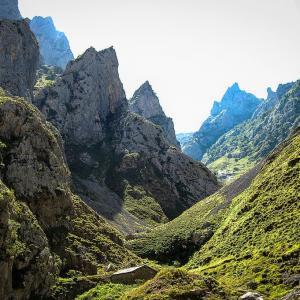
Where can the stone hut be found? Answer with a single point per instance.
(131, 275)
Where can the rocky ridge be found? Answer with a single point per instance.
(54, 45)
(235, 107)
(116, 153)
(146, 103)
(9, 10)
(19, 57)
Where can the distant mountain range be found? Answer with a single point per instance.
(242, 129)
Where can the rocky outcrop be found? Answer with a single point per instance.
(54, 45)
(82, 99)
(146, 103)
(45, 230)
(19, 56)
(122, 165)
(235, 107)
(9, 10)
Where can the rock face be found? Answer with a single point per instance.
(82, 99)
(235, 107)
(121, 164)
(54, 45)
(19, 56)
(247, 143)
(9, 10)
(146, 103)
(45, 230)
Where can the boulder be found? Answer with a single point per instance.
(251, 296)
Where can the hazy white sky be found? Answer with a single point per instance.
(189, 50)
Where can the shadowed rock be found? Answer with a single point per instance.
(19, 57)
(9, 10)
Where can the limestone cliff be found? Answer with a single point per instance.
(9, 10)
(235, 107)
(146, 103)
(45, 229)
(19, 57)
(122, 165)
(54, 45)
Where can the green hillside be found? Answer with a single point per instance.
(249, 243)
(258, 243)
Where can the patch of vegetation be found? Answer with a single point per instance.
(46, 77)
(257, 245)
(106, 291)
(90, 243)
(75, 285)
(140, 204)
(177, 240)
(176, 284)
(228, 168)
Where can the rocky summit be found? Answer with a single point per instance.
(146, 103)
(235, 107)
(9, 10)
(122, 164)
(19, 57)
(54, 45)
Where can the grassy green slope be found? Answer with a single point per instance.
(176, 284)
(246, 144)
(258, 243)
(179, 239)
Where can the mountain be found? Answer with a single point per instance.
(246, 144)
(9, 10)
(122, 165)
(45, 229)
(54, 45)
(146, 103)
(235, 107)
(19, 57)
(245, 235)
(184, 138)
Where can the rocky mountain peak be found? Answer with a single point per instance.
(112, 152)
(9, 10)
(146, 103)
(87, 92)
(270, 92)
(235, 107)
(54, 45)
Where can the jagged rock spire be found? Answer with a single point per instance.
(146, 103)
